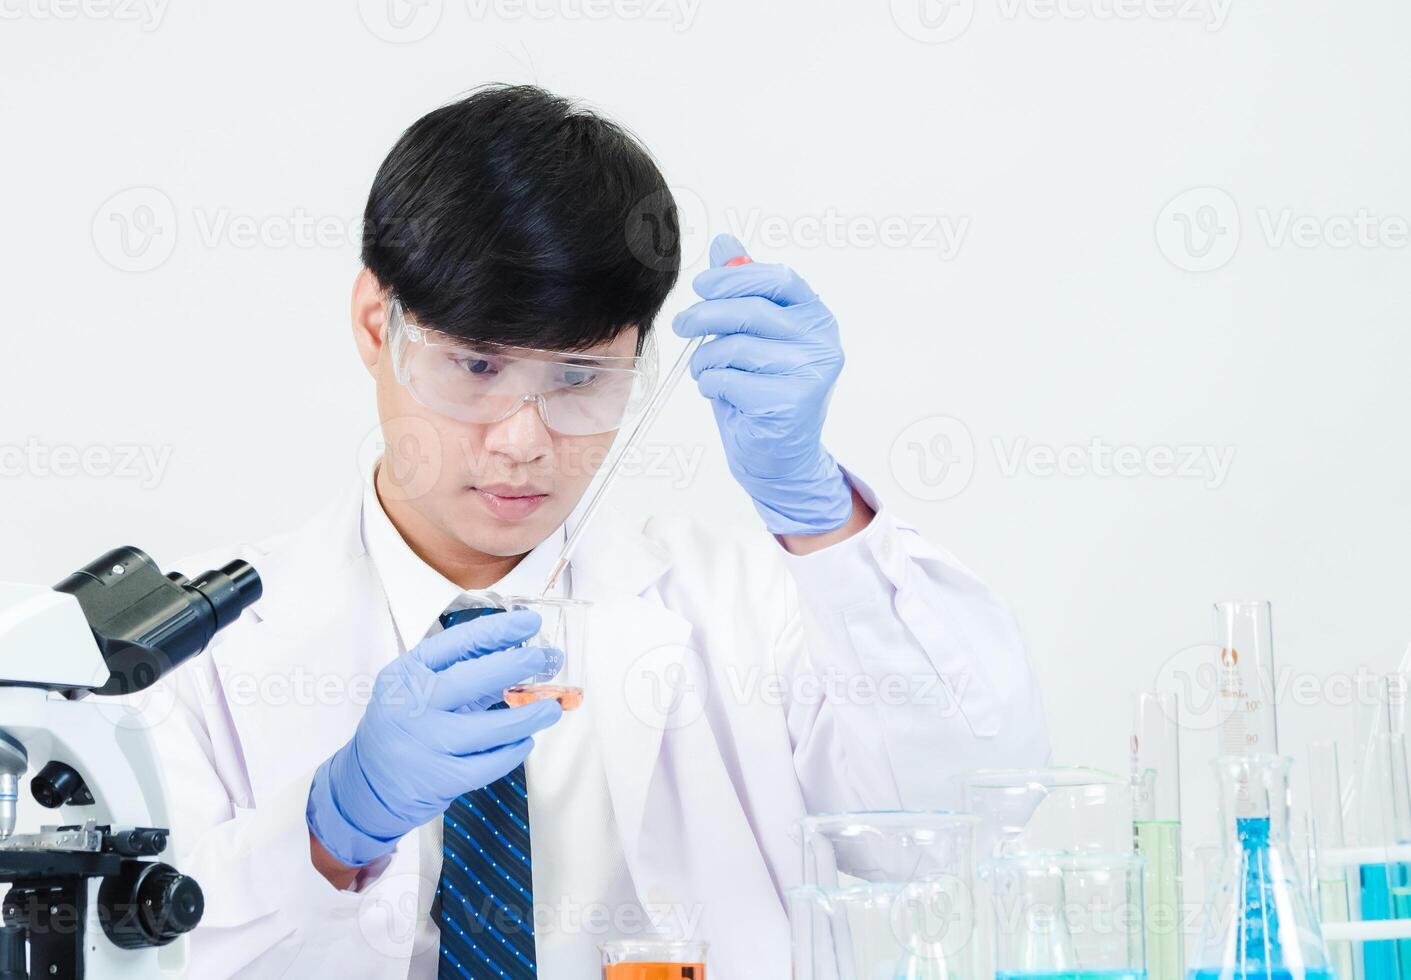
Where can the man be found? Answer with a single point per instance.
(518, 252)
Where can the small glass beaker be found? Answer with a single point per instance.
(565, 629)
(1068, 916)
(886, 894)
(653, 959)
(1058, 809)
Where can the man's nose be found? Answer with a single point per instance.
(522, 437)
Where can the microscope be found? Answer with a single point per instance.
(86, 891)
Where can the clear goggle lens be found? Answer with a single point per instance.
(575, 394)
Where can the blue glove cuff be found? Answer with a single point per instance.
(334, 831)
(814, 504)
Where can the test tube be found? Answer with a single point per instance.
(1156, 793)
(1385, 803)
(1330, 891)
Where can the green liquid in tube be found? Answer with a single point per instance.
(1159, 841)
(1332, 902)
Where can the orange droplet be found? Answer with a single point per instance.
(740, 260)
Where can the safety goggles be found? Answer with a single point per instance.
(576, 394)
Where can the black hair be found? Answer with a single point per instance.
(514, 216)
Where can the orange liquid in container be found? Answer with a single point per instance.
(654, 971)
(521, 694)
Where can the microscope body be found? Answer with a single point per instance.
(83, 809)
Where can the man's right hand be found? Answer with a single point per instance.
(426, 738)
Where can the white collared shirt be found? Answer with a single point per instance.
(582, 887)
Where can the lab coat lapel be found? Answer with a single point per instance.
(633, 640)
(299, 680)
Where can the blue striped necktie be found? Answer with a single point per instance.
(484, 902)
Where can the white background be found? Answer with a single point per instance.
(1059, 140)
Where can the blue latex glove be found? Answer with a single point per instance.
(425, 739)
(769, 372)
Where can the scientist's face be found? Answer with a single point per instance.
(499, 488)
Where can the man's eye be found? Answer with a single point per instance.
(579, 378)
(476, 365)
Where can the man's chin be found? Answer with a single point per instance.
(508, 542)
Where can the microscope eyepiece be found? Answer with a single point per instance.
(147, 623)
(230, 591)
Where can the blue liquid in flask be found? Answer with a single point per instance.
(1258, 953)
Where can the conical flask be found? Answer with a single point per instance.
(1258, 923)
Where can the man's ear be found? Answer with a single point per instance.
(369, 319)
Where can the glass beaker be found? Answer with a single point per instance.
(1058, 809)
(653, 959)
(1257, 923)
(1156, 825)
(1068, 916)
(920, 930)
(886, 896)
(564, 628)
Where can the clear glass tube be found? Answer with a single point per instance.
(1384, 803)
(1330, 884)
(1245, 633)
(1258, 921)
(1156, 824)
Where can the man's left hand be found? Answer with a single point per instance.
(769, 372)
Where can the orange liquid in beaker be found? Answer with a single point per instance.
(522, 694)
(654, 971)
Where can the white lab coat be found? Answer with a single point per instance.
(728, 681)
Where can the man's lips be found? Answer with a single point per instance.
(510, 502)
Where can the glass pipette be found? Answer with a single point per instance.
(649, 414)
